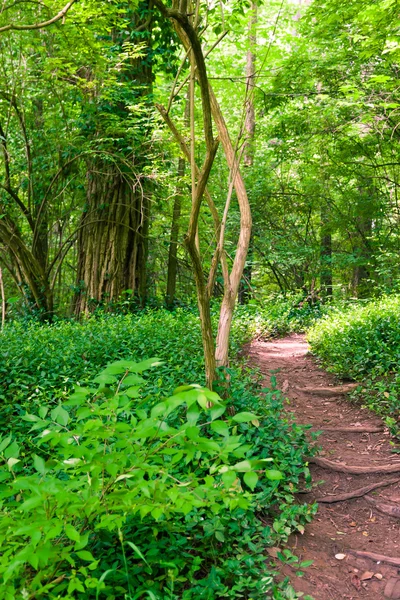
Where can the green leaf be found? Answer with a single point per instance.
(229, 477)
(133, 392)
(12, 451)
(39, 464)
(273, 475)
(243, 466)
(85, 555)
(220, 427)
(217, 411)
(244, 417)
(72, 533)
(251, 478)
(133, 379)
(137, 551)
(4, 443)
(60, 415)
(12, 462)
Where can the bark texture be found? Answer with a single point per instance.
(112, 239)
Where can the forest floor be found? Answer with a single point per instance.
(344, 527)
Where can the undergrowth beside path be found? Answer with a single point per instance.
(208, 549)
(363, 343)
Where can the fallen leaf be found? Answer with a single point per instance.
(365, 533)
(378, 575)
(353, 524)
(366, 575)
(273, 552)
(340, 556)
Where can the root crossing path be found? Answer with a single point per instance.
(354, 540)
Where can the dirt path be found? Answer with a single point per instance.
(355, 524)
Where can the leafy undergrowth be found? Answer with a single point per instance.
(110, 491)
(278, 316)
(363, 343)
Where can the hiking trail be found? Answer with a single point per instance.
(352, 436)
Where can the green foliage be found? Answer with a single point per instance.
(277, 315)
(110, 491)
(363, 343)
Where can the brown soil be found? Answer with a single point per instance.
(343, 526)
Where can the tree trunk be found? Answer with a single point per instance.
(113, 233)
(326, 279)
(244, 294)
(111, 247)
(173, 244)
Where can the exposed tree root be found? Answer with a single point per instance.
(358, 493)
(389, 560)
(355, 429)
(329, 391)
(354, 469)
(386, 509)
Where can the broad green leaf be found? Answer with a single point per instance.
(273, 475)
(251, 479)
(243, 466)
(244, 417)
(72, 533)
(220, 427)
(4, 443)
(229, 477)
(85, 555)
(39, 464)
(60, 415)
(133, 392)
(12, 451)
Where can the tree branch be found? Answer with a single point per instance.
(57, 17)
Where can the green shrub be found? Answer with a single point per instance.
(121, 495)
(363, 343)
(205, 553)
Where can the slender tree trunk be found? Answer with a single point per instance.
(326, 279)
(244, 294)
(176, 213)
(3, 301)
(173, 244)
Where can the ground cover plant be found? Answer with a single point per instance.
(110, 491)
(363, 343)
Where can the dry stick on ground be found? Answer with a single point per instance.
(386, 509)
(355, 429)
(358, 493)
(389, 560)
(354, 469)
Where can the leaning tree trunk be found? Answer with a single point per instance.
(112, 245)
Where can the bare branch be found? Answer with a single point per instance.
(57, 17)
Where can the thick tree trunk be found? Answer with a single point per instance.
(33, 274)
(113, 234)
(111, 242)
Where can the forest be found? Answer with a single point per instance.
(199, 299)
